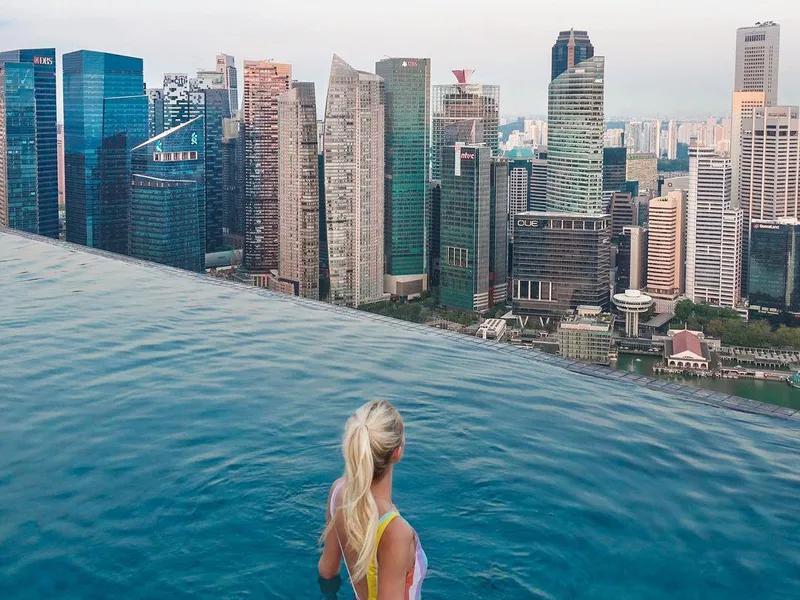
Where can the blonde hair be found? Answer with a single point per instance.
(371, 436)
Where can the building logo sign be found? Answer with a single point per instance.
(194, 138)
(410, 63)
(43, 60)
(765, 226)
(468, 156)
(527, 222)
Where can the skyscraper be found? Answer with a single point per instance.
(264, 82)
(615, 163)
(713, 231)
(28, 90)
(769, 169)
(354, 184)
(755, 84)
(233, 182)
(227, 66)
(105, 115)
(407, 146)
(298, 190)
(498, 231)
(575, 140)
(167, 215)
(155, 111)
(571, 48)
(672, 140)
(643, 168)
(465, 227)
(775, 269)
(177, 109)
(463, 101)
(665, 246)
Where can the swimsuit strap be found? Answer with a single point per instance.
(372, 574)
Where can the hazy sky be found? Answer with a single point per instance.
(662, 58)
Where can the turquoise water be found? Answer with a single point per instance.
(165, 436)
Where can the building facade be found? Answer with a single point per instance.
(498, 231)
(167, 209)
(105, 115)
(774, 286)
(614, 168)
(769, 174)
(643, 168)
(575, 139)
(755, 83)
(226, 65)
(665, 246)
(465, 223)
(407, 84)
(463, 101)
(264, 82)
(560, 261)
(713, 231)
(354, 184)
(571, 48)
(28, 144)
(298, 190)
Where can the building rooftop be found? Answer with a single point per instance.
(686, 341)
(169, 434)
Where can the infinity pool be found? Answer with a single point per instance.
(167, 436)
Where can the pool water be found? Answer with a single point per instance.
(168, 436)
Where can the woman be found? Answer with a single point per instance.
(381, 551)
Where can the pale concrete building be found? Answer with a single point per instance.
(665, 247)
(713, 231)
(644, 169)
(354, 184)
(298, 190)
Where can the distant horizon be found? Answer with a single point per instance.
(674, 67)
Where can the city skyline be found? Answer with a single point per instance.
(635, 79)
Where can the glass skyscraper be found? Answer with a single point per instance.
(774, 287)
(571, 47)
(465, 222)
(575, 139)
(463, 101)
(105, 109)
(167, 215)
(408, 112)
(35, 168)
(498, 232)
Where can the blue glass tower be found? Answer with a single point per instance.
(217, 108)
(105, 109)
(44, 177)
(571, 48)
(168, 205)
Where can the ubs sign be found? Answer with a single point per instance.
(43, 60)
(528, 223)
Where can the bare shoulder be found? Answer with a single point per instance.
(398, 533)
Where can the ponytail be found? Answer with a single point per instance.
(371, 436)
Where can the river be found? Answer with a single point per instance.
(773, 392)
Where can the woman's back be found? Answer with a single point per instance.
(381, 551)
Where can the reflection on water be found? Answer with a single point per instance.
(167, 437)
(774, 392)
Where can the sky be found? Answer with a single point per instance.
(663, 59)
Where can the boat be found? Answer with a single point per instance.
(794, 380)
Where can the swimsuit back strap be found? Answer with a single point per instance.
(372, 574)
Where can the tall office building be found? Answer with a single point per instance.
(624, 212)
(571, 48)
(672, 140)
(713, 231)
(537, 200)
(407, 151)
(298, 191)
(775, 269)
(227, 66)
(769, 173)
(643, 168)
(498, 231)
(177, 105)
(354, 184)
(519, 185)
(28, 146)
(665, 246)
(233, 182)
(264, 82)
(631, 258)
(167, 208)
(560, 261)
(463, 101)
(105, 116)
(465, 227)
(755, 84)
(614, 168)
(155, 111)
(575, 139)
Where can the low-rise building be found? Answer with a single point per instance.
(586, 335)
(686, 350)
(492, 329)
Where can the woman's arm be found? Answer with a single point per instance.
(396, 556)
(330, 563)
